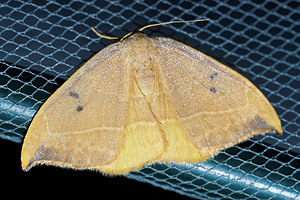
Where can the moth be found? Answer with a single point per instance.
(143, 100)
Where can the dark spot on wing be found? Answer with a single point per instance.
(213, 76)
(79, 108)
(259, 123)
(74, 95)
(42, 153)
(213, 90)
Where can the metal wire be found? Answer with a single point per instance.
(44, 42)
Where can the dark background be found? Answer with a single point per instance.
(54, 182)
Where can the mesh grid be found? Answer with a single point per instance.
(44, 42)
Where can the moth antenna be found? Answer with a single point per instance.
(173, 22)
(143, 28)
(105, 36)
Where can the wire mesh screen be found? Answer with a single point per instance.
(44, 42)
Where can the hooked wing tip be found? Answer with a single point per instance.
(26, 166)
(258, 123)
(29, 160)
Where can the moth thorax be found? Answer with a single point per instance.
(144, 76)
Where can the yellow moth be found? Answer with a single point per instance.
(144, 100)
